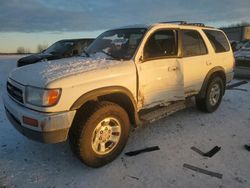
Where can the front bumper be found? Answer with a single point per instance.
(52, 127)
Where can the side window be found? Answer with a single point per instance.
(218, 40)
(81, 45)
(162, 43)
(193, 44)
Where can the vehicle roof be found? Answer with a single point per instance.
(136, 26)
(183, 25)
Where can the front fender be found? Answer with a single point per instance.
(94, 94)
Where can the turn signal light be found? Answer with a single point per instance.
(53, 96)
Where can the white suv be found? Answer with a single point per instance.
(126, 77)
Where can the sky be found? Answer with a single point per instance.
(28, 23)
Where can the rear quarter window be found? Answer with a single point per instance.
(218, 40)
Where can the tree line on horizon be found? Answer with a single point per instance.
(42, 47)
(23, 50)
(241, 24)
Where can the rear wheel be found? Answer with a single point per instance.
(99, 138)
(213, 96)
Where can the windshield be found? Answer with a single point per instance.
(117, 44)
(60, 47)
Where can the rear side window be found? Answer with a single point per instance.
(218, 41)
(193, 44)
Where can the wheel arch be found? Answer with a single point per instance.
(115, 94)
(214, 71)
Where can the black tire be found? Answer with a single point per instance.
(207, 105)
(83, 129)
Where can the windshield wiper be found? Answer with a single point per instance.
(53, 52)
(110, 55)
(86, 53)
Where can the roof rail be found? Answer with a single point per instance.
(186, 23)
(178, 22)
(195, 24)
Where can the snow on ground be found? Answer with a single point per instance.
(25, 163)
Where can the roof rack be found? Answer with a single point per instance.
(195, 24)
(180, 22)
(186, 23)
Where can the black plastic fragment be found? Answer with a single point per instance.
(210, 153)
(236, 84)
(197, 150)
(136, 152)
(133, 177)
(247, 147)
(238, 89)
(207, 172)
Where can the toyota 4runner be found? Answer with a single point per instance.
(126, 77)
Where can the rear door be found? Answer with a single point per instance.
(160, 74)
(195, 62)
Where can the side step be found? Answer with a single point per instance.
(159, 112)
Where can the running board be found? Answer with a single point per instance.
(159, 112)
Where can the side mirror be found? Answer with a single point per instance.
(141, 59)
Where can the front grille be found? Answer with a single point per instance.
(15, 92)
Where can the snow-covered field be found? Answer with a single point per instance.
(25, 163)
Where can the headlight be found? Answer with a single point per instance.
(42, 97)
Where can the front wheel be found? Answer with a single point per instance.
(213, 96)
(102, 136)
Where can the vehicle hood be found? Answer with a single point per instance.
(44, 73)
(36, 58)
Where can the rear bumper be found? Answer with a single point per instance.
(52, 127)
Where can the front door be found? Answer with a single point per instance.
(160, 73)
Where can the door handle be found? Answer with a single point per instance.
(172, 68)
(209, 63)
